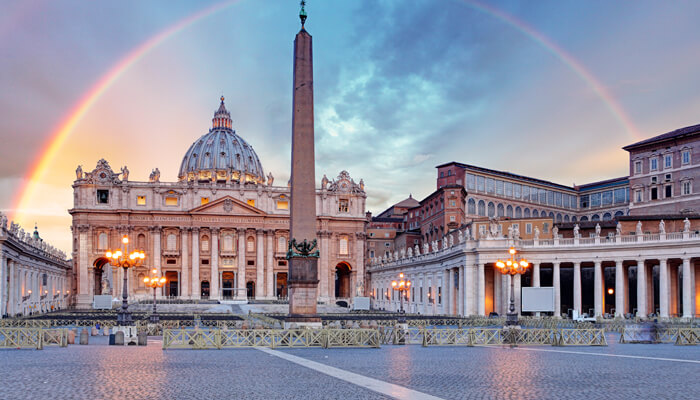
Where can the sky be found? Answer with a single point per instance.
(547, 89)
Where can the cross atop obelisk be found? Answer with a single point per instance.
(303, 249)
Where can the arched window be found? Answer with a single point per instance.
(619, 214)
(482, 208)
(509, 211)
(343, 245)
(551, 214)
(573, 219)
(536, 213)
(205, 243)
(471, 207)
(526, 213)
(566, 218)
(518, 212)
(559, 218)
(492, 209)
(281, 244)
(103, 243)
(250, 246)
(141, 241)
(584, 218)
(171, 242)
(228, 242)
(607, 216)
(595, 217)
(500, 211)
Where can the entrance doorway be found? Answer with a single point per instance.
(342, 280)
(227, 279)
(171, 284)
(281, 285)
(205, 289)
(250, 289)
(99, 272)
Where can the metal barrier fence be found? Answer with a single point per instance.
(32, 338)
(272, 338)
(688, 336)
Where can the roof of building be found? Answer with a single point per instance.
(508, 175)
(586, 224)
(667, 217)
(409, 202)
(603, 184)
(676, 134)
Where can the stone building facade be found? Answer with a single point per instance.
(219, 232)
(34, 276)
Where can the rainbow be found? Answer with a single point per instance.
(66, 126)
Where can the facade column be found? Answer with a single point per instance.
(434, 285)
(556, 282)
(517, 285)
(359, 263)
(470, 286)
(641, 289)
(83, 296)
(259, 265)
(155, 259)
(687, 289)
(497, 276)
(450, 292)
(270, 265)
(460, 291)
(240, 254)
(481, 289)
(196, 285)
(324, 276)
(663, 288)
(536, 279)
(185, 270)
(4, 299)
(577, 287)
(619, 289)
(445, 292)
(214, 284)
(598, 300)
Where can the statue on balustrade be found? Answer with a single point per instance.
(618, 229)
(537, 233)
(597, 230)
(577, 233)
(686, 225)
(555, 232)
(638, 231)
(662, 227)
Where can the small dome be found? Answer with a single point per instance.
(221, 154)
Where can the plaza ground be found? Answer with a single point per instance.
(99, 371)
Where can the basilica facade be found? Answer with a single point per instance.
(220, 232)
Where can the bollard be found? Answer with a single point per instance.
(71, 337)
(105, 331)
(142, 338)
(119, 338)
(84, 336)
(94, 332)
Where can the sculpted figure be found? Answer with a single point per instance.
(105, 287)
(555, 232)
(409, 253)
(3, 221)
(537, 233)
(270, 179)
(597, 230)
(686, 225)
(510, 232)
(577, 234)
(125, 173)
(516, 232)
(324, 182)
(618, 229)
(452, 240)
(467, 234)
(444, 243)
(403, 253)
(79, 172)
(638, 231)
(362, 185)
(417, 250)
(360, 288)
(425, 248)
(460, 236)
(662, 226)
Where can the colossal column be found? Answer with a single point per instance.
(303, 250)
(641, 289)
(460, 291)
(214, 288)
(260, 266)
(619, 289)
(155, 259)
(577, 287)
(481, 295)
(687, 289)
(83, 298)
(270, 265)
(663, 288)
(196, 290)
(185, 284)
(240, 254)
(556, 282)
(536, 279)
(598, 288)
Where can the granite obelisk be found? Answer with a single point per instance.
(303, 249)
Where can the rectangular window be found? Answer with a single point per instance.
(452, 218)
(668, 161)
(452, 203)
(480, 183)
(668, 191)
(282, 205)
(685, 188)
(141, 200)
(343, 205)
(103, 196)
(171, 201)
(620, 196)
(545, 227)
(557, 199)
(543, 196)
(528, 228)
(526, 193)
(654, 193)
(499, 187)
(490, 185)
(685, 157)
(654, 164)
(251, 202)
(509, 189)
(205, 200)
(471, 182)
(371, 254)
(585, 199)
(595, 200)
(533, 194)
(638, 196)
(550, 197)
(516, 190)
(205, 261)
(607, 198)
(637, 167)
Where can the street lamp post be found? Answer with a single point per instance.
(512, 266)
(119, 258)
(402, 286)
(154, 282)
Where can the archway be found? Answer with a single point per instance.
(250, 289)
(282, 285)
(99, 272)
(171, 284)
(205, 289)
(227, 280)
(342, 280)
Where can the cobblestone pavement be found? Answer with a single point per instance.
(99, 371)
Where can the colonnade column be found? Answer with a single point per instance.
(663, 288)
(240, 255)
(517, 295)
(577, 287)
(83, 298)
(214, 288)
(259, 265)
(325, 275)
(155, 259)
(536, 279)
(556, 282)
(470, 287)
(450, 292)
(687, 289)
(3, 289)
(445, 292)
(270, 265)
(641, 289)
(619, 289)
(196, 290)
(481, 295)
(460, 291)
(598, 304)
(185, 275)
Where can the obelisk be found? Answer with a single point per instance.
(303, 249)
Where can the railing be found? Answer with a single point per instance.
(32, 338)
(688, 336)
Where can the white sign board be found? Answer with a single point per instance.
(360, 303)
(537, 299)
(102, 302)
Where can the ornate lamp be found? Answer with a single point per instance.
(154, 282)
(512, 266)
(402, 286)
(119, 258)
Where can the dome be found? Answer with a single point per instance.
(221, 155)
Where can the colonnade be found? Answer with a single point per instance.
(28, 287)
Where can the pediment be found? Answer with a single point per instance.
(227, 206)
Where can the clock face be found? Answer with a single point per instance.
(103, 175)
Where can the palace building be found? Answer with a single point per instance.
(220, 232)
(621, 247)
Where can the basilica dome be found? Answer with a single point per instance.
(221, 155)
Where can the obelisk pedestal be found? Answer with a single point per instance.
(303, 249)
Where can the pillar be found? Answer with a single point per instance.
(445, 292)
(259, 266)
(641, 289)
(325, 281)
(240, 254)
(536, 279)
(214, 283)
(497, 295)
(360, 263)
(451, 292)
(598, 288)
(460, 290)
(155, 259)
(577, 287)
(83, 298)
(481, 295)
(556, 282)
(517, 287)
(434, 285)
(687, 289)
(185, 269)
(470, 287)
(663, 288)
(620, 295)
(196, 284)
(3, 284)
(270, 265)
